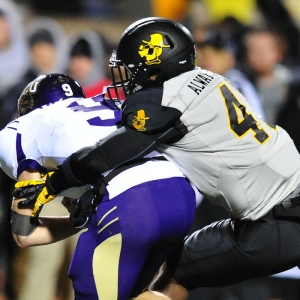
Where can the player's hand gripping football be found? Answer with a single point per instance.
(35, 192)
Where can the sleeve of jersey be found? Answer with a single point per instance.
(146, 125)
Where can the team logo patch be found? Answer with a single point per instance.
(153, 49)
(139, 121)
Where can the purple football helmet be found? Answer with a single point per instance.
(47, 89)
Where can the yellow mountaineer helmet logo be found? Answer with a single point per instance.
(153, 49)
(139, 121)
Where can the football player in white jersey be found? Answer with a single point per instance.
(145, 211)
(207, 128)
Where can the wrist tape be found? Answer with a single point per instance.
(22, 225)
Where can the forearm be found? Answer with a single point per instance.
(49, 230)
(27, 231)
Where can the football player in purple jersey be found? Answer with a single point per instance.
(136, 214)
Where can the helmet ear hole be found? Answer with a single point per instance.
(154, 72)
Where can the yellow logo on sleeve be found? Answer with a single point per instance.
(139, 121)
(153, 49)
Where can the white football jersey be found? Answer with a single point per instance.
(234, 158)
(45, 137)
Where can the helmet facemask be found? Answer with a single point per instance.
(120, 78)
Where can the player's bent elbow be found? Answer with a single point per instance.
(21, 241)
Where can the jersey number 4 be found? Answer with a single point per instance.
(241, 122)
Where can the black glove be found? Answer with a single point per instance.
(30, 193)
(86, 205)
(84, 209)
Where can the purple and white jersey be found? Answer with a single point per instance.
(45, 137)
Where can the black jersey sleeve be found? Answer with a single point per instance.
(87, 164)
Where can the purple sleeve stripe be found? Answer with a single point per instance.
(24, 163)
(32, 164)
(20, 154)
(9, 125)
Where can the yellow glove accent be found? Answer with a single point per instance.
(31, 182)
(35, 191)
(42, 199)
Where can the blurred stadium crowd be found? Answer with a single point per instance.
(255, 43)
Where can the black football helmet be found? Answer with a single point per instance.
(151, 46)
(47, 89)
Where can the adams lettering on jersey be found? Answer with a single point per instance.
(201, 80)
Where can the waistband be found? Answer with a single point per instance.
(292, 200)
(289, 208)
